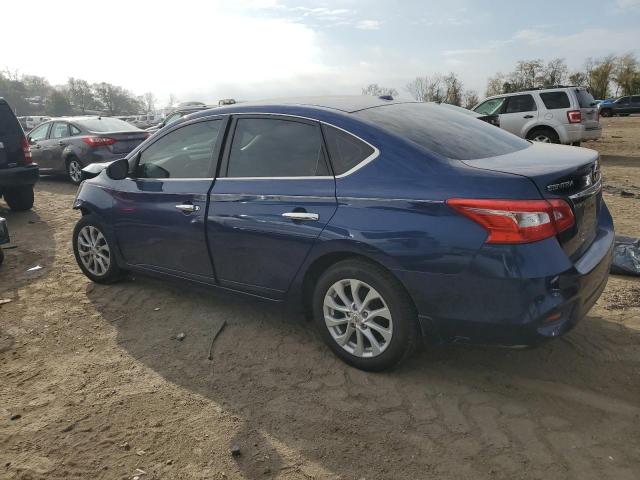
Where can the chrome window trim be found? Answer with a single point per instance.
(355, 168)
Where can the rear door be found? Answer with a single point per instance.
(518, 114)
(160, 224)
(271, 200)
(623, 105)
(58, 140)
(635, 104)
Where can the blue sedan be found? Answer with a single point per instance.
(388, 221)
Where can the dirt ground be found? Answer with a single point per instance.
(94, 383)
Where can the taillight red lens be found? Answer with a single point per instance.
(574, 116)
(26, 149)
(98, 141)
(516, 221)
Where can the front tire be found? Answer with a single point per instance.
(606, 112)
(95, 251)
(365, 315)
(74, 170)
(19, 199)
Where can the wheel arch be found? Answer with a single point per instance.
(542, 126)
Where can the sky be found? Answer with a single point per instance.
(251, 49)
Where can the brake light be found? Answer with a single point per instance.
(517, 221)
(574, 116)
(98, 141)
(26, 149)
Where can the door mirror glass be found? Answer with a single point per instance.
(118, 170)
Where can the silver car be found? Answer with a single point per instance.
(567, 115)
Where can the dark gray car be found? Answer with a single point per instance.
(66, 145)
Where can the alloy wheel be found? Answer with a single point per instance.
(541, 138)
(94, 250)
(358, 318)
(75, 171)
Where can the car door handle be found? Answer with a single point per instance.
(188, 208)
(528, 116)
(301, 216)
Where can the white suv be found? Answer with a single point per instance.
(565, 115)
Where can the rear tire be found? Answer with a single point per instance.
(19, 199)
(1, 256)
(575, 144)
(375, 329)
(74, 170)
(95, 251)
(543, 135)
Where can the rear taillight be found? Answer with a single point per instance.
(574, 116)
(98, 141)
(26, 149)
(516, 221)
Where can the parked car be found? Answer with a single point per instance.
(386, 220)
(18, 173)
(177, 114)
(66, 145)
(566, 115)
(4, 237)
(622, 106)
(492, 119)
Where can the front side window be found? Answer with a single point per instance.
(490, 107)
(555, 100)
(39, 133)
(184, 153)
(345, 150)
(623, 100)
(59, 130)
(520, 103)
(276, 148)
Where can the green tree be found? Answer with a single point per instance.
(57, 104)
(599, 74)
(627, 75)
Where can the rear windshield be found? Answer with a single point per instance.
(106, 124)
(585, 99)
(443, 131)
(9, 125)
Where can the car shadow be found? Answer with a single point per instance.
(296, 400)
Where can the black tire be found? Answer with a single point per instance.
(575, 144)
(72, 174)
(1, 256)
(112, 273)
(606, 112)
(19, 199)
(548, 134)
(405, 331)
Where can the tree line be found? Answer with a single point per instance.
(32, 94)
(604, 77)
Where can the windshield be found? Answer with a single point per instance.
(106, 124)
(443, 131)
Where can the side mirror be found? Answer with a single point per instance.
(31, 140)
(118, 170)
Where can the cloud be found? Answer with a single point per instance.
(368, 24)
(628, 5)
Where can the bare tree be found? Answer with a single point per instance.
(80, 94)
(627, 74)
(599, 75)
(554, 73)
(495, 85)
(578, 78)
(427, 88)
(172, 100)
(453, 89)
(149, 101)
(471, 99)
(378, 91)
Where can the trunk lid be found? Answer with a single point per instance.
(588, 109)
(125, 142)
(569, 173)
(11, 135)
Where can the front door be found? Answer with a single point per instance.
(518, 114)
(58, 140)
(270, 202)
(162, 209)
(36, 138)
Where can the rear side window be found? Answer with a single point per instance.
(520, 103)
(184, 153)
(276, 148)
(74, 130)
(59, 130)
(555, 100)
(585, 99)
(443, 131)
(345, 150)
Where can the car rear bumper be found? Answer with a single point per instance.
(578, 132)
(592, 133)
(18, 176)
(513, 295)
